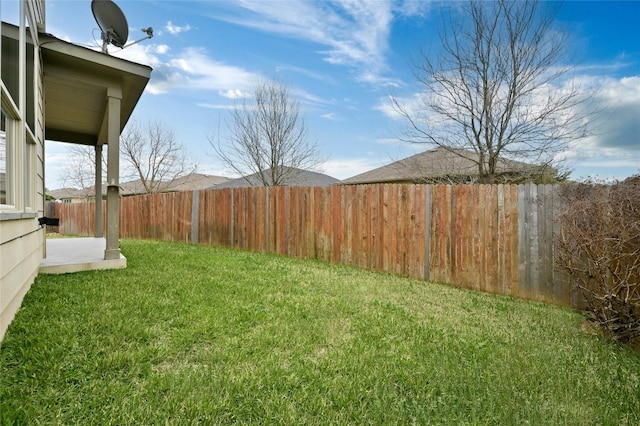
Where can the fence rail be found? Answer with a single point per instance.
(492, 238)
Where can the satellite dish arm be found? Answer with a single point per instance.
(149, 32)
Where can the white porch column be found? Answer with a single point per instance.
(114, 97)
(98, 191)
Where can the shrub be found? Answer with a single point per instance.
(598, 247)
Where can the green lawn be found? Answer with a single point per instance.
(190, 334)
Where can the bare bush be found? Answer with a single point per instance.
(598, 247)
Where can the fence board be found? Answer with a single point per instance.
(346, 214)
(416, 231)
(375, 227)
(563, 294)
(320, 219)
(524, 246)
(282, 201)
(545, 241)
(427, 232)
(440, 244)
(337, 214)
(464, 251)
(402, 242)
(385, 231)
(490, 242)
(307, 221)
(394, 237)
(359, 216)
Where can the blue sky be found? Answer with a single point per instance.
(341, 60)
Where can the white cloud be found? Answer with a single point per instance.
(142, 53)
(615, 127)
(176, 29)
(216, 106)
(625, 91)
(189, 69)
(413, 105)
(348, 167)
(386, 106)
(58, 159)
(202, 72)
(332, 116)
(412, 7)
(305, 72)
(162, 49)
(355, 32)
(234, 94)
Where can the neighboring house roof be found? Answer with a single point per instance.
(297, 177)
(68, 193)
(190, 182)
(439, 163)
(196, 181)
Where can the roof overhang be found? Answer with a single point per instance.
(77, 83)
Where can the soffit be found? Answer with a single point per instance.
(77, 81)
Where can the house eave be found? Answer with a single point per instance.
(77, 82)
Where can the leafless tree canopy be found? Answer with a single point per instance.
(268, 137)
(152, 154)
(499, 88)
(80, 171)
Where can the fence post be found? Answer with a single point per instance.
(267, 222)
(232, 219)
(427, 232)
(287, 220)
(195, 216)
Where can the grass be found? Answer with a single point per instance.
(189, 334)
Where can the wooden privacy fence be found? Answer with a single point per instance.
(492, 238)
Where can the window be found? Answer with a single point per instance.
(30, 83)
(6, 151)
(30, 175)
(3, 162)
(21, 162)
(10, 68)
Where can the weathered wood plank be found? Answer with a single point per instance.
(491, 265)
(523, 241)
(427, 232)
(385, 231)
(373, 229)
(419, 231)
(545, 241)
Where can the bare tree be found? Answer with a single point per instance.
(80, 171)
(498, 89)
(153, 155)
(268, 138)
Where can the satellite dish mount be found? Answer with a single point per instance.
(113, 25)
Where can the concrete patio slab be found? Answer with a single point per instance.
(66, 255)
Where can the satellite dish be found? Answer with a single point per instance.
(112, 23)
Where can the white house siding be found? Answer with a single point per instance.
(19, 262)
(22, 241)
(39, 134)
